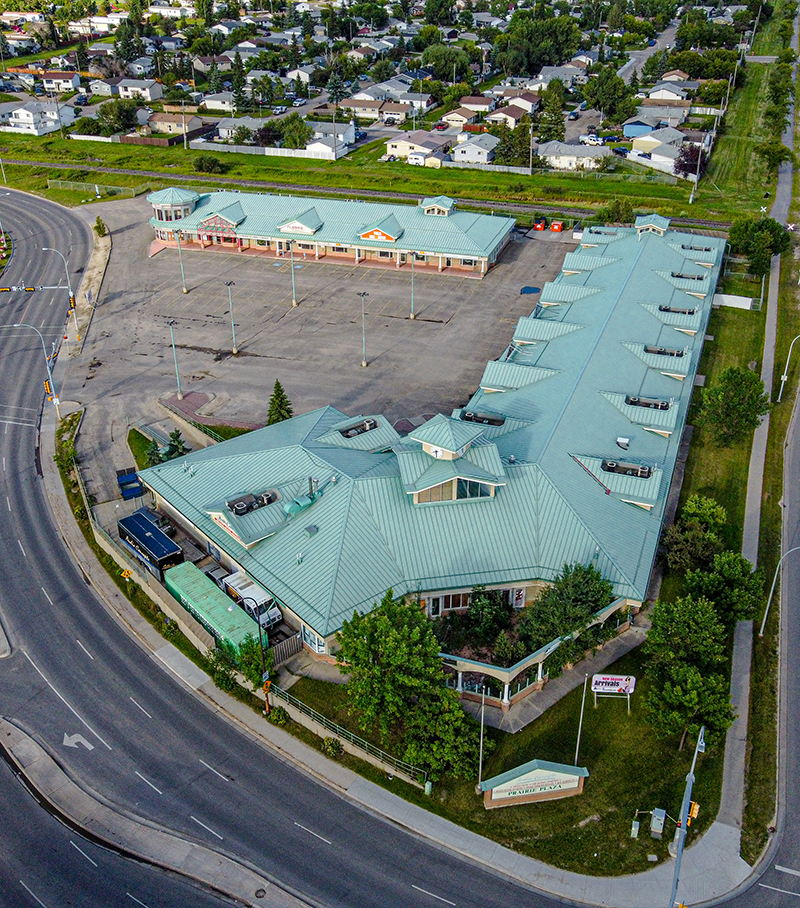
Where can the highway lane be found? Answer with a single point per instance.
(155, 749)
(44, 863)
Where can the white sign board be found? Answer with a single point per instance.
(538, 781)
(613, 684)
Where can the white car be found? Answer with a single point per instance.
(299, 102)
(591, 140)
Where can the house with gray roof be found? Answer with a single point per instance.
(565, 453)
(442, 237)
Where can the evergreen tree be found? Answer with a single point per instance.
(279, 406)
(81, 56)
(153, 454)
(214, 78)
(176, 446)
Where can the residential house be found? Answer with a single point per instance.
(419, 100)
(105, 88)
(301, 74)
(667, 114)
(419, 141)
(510, 115)
(37, 118)
(141, 66)
(667, 91)
(140, 89)
(173, 124)
(203, 64)
(61, 82)
(221, 101)
(459, 117)
(561, 156)
(392, 110)
(675, 75)
(477, 149)
(369, 110)
(361, 54)
(19, 45)
(529, 101)
(345, 132)
(7, 109)
(225, 27)
(227, 127)
(639, 125)
(666, 135)
(479, 103)
(171, 12)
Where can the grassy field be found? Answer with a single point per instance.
(734, 172)
(629, 771)
(138, 444)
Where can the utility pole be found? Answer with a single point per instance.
(680, 837)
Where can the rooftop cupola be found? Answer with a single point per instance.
(445, 438)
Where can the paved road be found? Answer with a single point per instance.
(639, 57)
(155, 748)
(43, 862)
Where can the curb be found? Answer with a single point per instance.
(134, 836)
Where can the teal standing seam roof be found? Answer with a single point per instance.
(553, 292)
(531, 330)
(555, 503)
(448, 434)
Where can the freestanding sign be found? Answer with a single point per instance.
(613, 686)
(538, 780)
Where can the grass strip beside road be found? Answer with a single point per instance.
(630, 770)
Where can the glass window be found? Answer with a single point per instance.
(168, 214)
(159, 214)
(317, 644)
(384, 254)
(436, 606)
(468, 488)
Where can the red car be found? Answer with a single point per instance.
(440, 126)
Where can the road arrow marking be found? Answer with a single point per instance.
(75, 740)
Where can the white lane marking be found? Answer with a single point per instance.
(8, 502)
(32, 894)
(46, 596)
(311, 832)
(20, 545)
(787, 870)
(83, 853)
(4, 464)
(148, 782)
(83, 648)
(224, 778)
(133, 897)
(140, 707)
(69, 707)
(206, 827)
(784, 891)
(432, 895)
(14, 422)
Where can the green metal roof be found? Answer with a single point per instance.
(531, 330)
(518, 771)
(449, 434)
(565, 293)
(652, 220)
(174, 195)
(442, 201)
(349, 434)
(342, 222)
(556, 505)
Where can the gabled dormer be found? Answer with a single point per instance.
(446, 439)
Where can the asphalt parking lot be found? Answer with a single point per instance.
(427, 365)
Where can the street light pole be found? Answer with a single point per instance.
(264, 672)
(229, 284)
(684, 815)
(362, 294)
(291, 263)
(413, 256)
(785, 375)
(772, 588)
(66, 268)
(47, 364)
(175, 357)
(180, 259)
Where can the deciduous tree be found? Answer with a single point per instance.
(734, 404)
(736, 590)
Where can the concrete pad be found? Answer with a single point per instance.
(181, 666)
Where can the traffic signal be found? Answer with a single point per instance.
(694, 812)
(72, 302)
(47, 388)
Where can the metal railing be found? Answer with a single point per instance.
(192, 422)
(413, 772)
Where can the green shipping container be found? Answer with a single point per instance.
(205, 602)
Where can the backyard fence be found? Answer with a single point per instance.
(98, 189)
(286, 649)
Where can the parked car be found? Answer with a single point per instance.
(298, 102)
(646, 155)
(651, 42)
(360, 134)
(390, 121)
(440, 126)
(608, 139)
(573, 115)
(620, 150)
(279, 110)
(592, 130)
(591, 139)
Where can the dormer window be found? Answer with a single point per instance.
(454, 490)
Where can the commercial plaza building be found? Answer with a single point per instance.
(434, 232)
(565, 453)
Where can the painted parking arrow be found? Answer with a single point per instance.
(75, 740)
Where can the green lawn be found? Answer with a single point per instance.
(629, 770)
(734, 172)
(138, 444)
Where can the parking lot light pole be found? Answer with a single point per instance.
(180, 259)
(413, 256)
(46, 362)
(362, 294)
(229, 284)
(291, 264)
(772, 588)
(175, 357)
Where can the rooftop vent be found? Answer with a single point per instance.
(676, 310)
(650, 403)
(697, 248)
(689, 277)
(486, 419)
(662, 351)
(360, 428)
(311, 530)
(623, 443)
(626, 469)
(244, 504)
